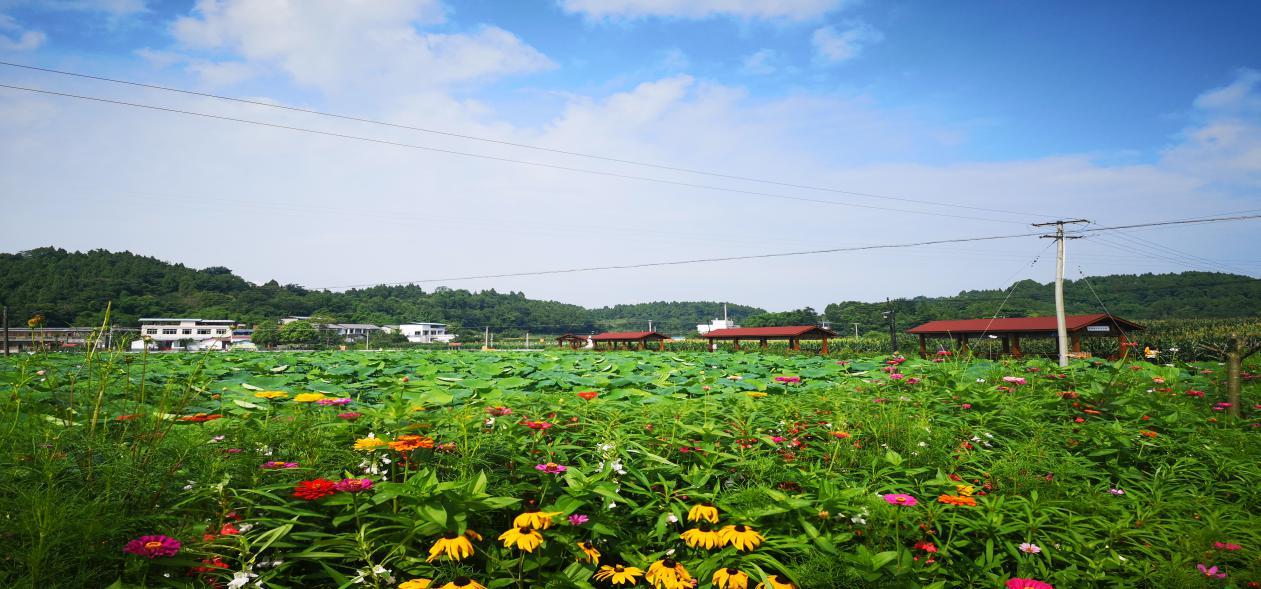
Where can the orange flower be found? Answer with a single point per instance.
(840, 435)
(588, 395)
(1147, 432)
(410, 442)
(955, 500)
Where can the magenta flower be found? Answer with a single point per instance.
(1014, 379)
(912, 380)
(578, 519)
(966, 406)
(153, 546)
(1027, 584)
(551, 468)
(499, 411)
(1028, 548)
(1226, 546)
(1116, 491)
(350, 415)
(353, 485)
(787, 379)
(897, 376)
(338, 402)
(900, 499)
(1210, 572)
(276, 464)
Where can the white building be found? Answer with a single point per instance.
(426, 333)
(723, 323)
(351, 331)
(166, 333)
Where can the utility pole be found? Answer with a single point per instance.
(487, 342)
(1061, 326)
(891, 315)
(856, 330)
(6, 330)
(527, 340)
(650, 325)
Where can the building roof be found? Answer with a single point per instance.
(224, 321)
(622, 336)
(571, 336)
(422, 323)
(793, 331)
(1021, 324)
(353, 326)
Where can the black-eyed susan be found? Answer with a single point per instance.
(730, 579)
(702, 537)
(416, 584)
(463, 583)
(741, 536)
(668, 573)
(776, 582)
(455, 546)
(703, 511)
(539, 520)
(618, 574)
(524, 537)
(589, 549)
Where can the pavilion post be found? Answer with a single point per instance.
(763, 343)
(661, 345)
(737, 343)
(1006, 345)
(796, 344)
(923, 346)
(1015, 346)
(1077, 343)
(638, 347)
(963, 345)
(825, 346)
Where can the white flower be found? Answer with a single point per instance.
(674, 519)
(386, 460)
(923, 444)
(239, 579)
(245, 527)
(858, 519)
(605, 447)
(617, 467)
(276, 563)
(189, 486)
(215, 440)
(980, 380)
(989, 435)
(612, 505)
(490, 422)
(670, 552)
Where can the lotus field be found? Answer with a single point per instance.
(579, 469)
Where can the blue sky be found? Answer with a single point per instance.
(1115, 111)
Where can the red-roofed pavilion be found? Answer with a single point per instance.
(1010, 330)
(794, 334)
(638, 338)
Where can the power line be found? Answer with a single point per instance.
(498, 158)
(515, 144)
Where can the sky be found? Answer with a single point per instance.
(539, 135)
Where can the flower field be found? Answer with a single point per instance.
(674, 470)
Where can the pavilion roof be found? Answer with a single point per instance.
(624, 336)
(793, 331)
(1022, 324)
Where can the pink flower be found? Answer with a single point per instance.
(499, 411)
(1027, 584)
(551, 468)
(350, 415)
(578, 519)
(338, 402)
(153, 546)
(966, 406)
(1028, 548)
(900, 499)
(897, 376)
(1116, 491)
(353, 485)
(1226, 546)
(538, 424)
(1195, 393)
(1210, 572)
(276, 464)
(787, 379)
(1158, 380)
(944, 353)
(1014, 379)
(912, 380)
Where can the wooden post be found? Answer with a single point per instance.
(661, 345)
(737, 343)
(763, 343)
(1015, 346)
(1006, 345)
(963, 345)
(796, 344)
(923, 346)
(1076, 343)
(640, 346)
(825, 346)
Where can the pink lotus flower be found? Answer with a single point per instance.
(900, 499)
(276, 465)
(153, 546)
(578, 519)
(551, 468)
(1014, 379)
(1210, 572)
(1027, 584)
(353, 485)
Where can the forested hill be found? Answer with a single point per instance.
(1200, 295)
(71, 288)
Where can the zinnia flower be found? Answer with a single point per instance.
(524, 537)
(593, 555)
(1226, 546)
(1014, 379)
(339, 401)
(702, 537)
(1210, 572)
(416, 584)
(900, 499)
(741, 536)
(350, 415)
(314, 489)
(353, 485)
(153, 546)
(776, 582)
(499, 411)
(965, 490)
(730, 579)
(703, 511)
(540, 520)
(455, 546)
(588, 395)
(1027, 584)
(276, 464)
(1028, 548)
(668, 573)
(618, 574)
(309, 397)
(370, 444)
(926, 546)
(551, 468)
(578, 519)
(411, 442)
(954, 500)
(271, 394)
(463, 583)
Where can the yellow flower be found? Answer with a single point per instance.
(741, 536)
(455, 546)
(370, 444)
(271, 394)
(593, 555)
(777, 582)
(703, 511)
(616, 575)
(540, 520)
(668, 574)
(309, 397)
(756, 394)
(463, 583)
(730, 579)
(416, 584)
(703, 537)
(965, 490)
(525, 538)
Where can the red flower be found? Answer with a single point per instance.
(229, 530)
(200, 417)
(588, 395)
(315, 489)
(926, 546)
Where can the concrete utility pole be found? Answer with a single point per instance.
(892, 315)
(856, 330)
(527, 340)
(487, 342)
(1061, 326)
(650, 325)
(6, 330)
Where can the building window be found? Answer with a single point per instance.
(151, 331)
(203, 332)
(168, 331)
(221, 331)
(188, 332)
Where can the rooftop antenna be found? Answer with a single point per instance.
(724, 312)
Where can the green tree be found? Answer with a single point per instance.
(299, 333)
(266, 334)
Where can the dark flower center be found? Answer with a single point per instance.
(449, 535)
(525, 530)
(669, 563)
(740, 529)
(733, 572)
(463, 581)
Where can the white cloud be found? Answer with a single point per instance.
(833, 46)
(1225, 143)
(334, 45)
(761, 62)
(15, 37)
(702, 9)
